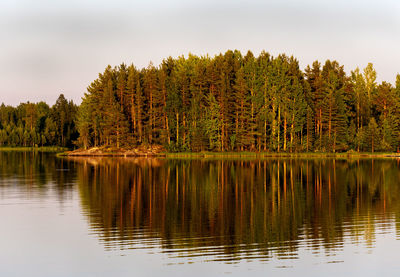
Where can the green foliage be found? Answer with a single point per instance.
(37, 124)
(397, 89)
(213, 123)
(243, 103)
(225, 103)
(372, 135)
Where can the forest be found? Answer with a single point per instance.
(228, 102)
(37, 124)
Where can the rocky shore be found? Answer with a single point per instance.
(141, 151)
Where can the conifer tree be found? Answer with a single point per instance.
(373, 134)
(242, 115)
(397, 88)
(213, 123)
(360, 97)
(315, 81)
(250, 70)
(84, 124)
(131, 105)
(121, 85)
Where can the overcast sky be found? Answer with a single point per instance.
(48, 47)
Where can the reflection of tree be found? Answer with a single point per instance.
(238, 208)
(37, 171)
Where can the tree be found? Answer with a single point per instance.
(397, 89)
(213, 123)
(84, 124)
(63, 113)
(242, 115)
(373, 134)
(370, 80)
(315, 81)
(250, 71)
(360, 97)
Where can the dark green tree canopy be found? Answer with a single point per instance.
(37, 124)
(228, 102)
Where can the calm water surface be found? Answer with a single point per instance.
(152, 217)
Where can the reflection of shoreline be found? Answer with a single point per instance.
(147, 153)
(98, 160)
(239, 206)
(103, 151)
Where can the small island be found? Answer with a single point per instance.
(231, 103)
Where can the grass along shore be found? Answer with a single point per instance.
(282, 155)
(53, 149)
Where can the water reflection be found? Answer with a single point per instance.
(34, 173)
(225, 210)
(228, 210)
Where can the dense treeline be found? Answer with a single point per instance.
(237, 103)
(37, 124)
(226, 103)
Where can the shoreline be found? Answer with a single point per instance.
(50, 149)
(154, 152)
(282, 155)
(159, 152)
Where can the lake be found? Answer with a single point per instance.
(198, 217)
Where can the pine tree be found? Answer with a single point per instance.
(131, 110)
(388, 136)
(373, 134)
(121, 84)
(84, 124)
(360, 97)
(198, 88)
(370, 80)
(315, 81)
(63, 113)
(213, 123)
(250, 70)
(296, 103)
(242, 115)
(397, 88)
(264, 96)
(384, 100)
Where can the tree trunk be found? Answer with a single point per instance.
(292, 135)
(278, 126)
(330, 122)
(133, 114)
(252, 119)
(265, 111)
(121, 97)
(166, 125)
(237, 124)
(372, 144)
(334, 142)
(177, 128)
(168, 134)
(320, 126)
(184, 128)
(151, 115)
(284, 133)
(118, 138)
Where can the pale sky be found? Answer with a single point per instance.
(48, 47)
